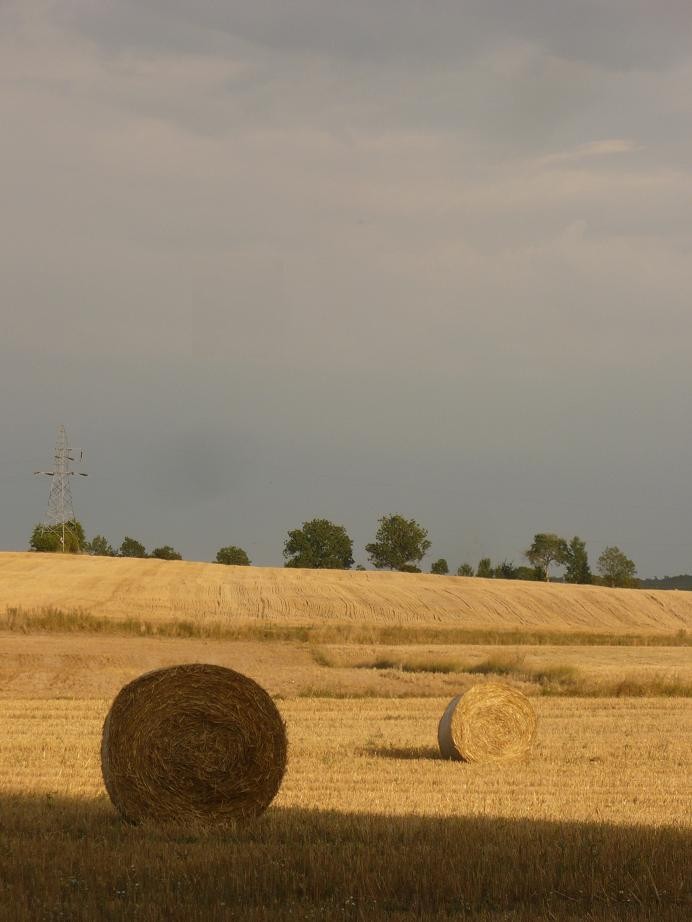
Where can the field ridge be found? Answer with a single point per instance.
(165, 591)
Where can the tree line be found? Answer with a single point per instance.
(49, 539)
(399, 544)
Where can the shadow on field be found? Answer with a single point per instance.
(74, 859)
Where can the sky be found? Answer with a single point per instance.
(290, 259)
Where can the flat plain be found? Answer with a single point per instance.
(370, 823)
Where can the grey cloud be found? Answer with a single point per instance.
(348, 260)
(531, 75)
(617, 34)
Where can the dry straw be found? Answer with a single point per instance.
(492, 722)
(193, 743)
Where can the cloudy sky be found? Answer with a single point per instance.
(292, 258)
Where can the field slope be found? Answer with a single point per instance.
(157, 590)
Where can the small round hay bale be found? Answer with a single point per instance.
(492, 722)
(194, 743)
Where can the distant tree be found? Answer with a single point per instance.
(399, 542)
(49, 538)
(465, 570)
(440, 566)
(166, 553)
(505, 570)
(485, 568)
(533, 574)
(617, 569)
(683, 581)
(100, 547)
(44, 540)
(233, 556)
(409, 568)
(319, 545)
(577, 562)
(547, 548)
(131, 548)
(359, 566)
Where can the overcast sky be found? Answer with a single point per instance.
(293, 258)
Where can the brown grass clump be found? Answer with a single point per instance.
(492, 722)
(195, 743)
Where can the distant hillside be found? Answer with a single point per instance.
(162, 590)
(684, 581)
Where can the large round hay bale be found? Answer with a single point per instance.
(492, 722)
(193, 743)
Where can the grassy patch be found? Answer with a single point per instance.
(655, 686)
(563, 679)
(51, 619)
(552, 679)
(503, 664)
(322, 658)
(435, 666)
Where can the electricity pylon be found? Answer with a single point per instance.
(60, 514)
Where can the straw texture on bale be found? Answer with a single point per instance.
(193, 743)
(492, 722)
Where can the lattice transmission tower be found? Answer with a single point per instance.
(60, 515)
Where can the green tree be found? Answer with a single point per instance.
(577, 562)
(131, 548)
(409, 568)
(49, 538)
(485, 568)
(44, 540)
(233, 556)
(100, 547)
(398, 542)
(616, 569)
(533, 574)
(166, 553)
(440, 566)
(547, 548)
(465, 570)
(319, 545)
(505, 570)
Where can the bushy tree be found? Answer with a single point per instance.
(49, 538)
(577, 562)
(505, 570)
(409, 568)
(485, 568)
(616, 569)
(166, 553)
(319, 545)
(233, 556)
(45, 540)
(533, 574)
(399, 542)
(100, 547)
(440, 566)
(131, 548)
(547, 548)
(465, 570)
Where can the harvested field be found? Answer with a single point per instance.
(593, 826)
(98, 665)
(158, 590)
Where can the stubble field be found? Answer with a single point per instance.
(370, 823)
